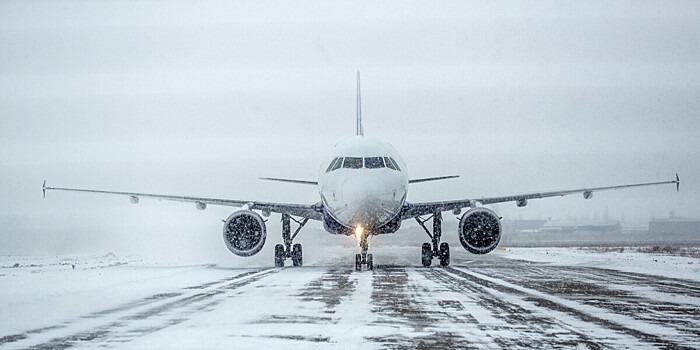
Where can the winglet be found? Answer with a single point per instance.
(360, 132)
(678, 183)
(43, 188)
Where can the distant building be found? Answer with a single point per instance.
(607, 227)
(675, 227)
(523, 225)
(543, 233)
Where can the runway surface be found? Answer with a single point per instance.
(489, 302)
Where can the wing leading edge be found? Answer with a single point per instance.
(312, 211)
(426, 208)
(426, 179)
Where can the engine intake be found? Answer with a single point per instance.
(244, 233)
(480, 230)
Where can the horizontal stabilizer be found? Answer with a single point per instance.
(426, 179)
(303, 182)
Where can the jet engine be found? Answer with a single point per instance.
(244, 233)
(480, 230)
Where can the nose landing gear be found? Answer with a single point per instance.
(287, 251)
(434, 249)
(363, 258)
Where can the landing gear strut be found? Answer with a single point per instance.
(363, 258)
(434, 249)
(287, 251)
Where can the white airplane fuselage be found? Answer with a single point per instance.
(363, 183)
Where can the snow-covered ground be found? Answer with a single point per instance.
(622, 259)
(512, 298)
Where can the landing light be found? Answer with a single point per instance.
(358, 232)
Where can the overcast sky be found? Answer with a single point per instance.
(203, 97)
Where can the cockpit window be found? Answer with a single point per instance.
(389, 164)
(367, 162)
(337, 164)
(374, 162)
(330, 166)
(396, 165)
(352, 163)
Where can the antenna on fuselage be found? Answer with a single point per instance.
(360, 132)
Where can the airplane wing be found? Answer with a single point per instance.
(426, 208)
(303, 182)
(426, 179)
(311, 211)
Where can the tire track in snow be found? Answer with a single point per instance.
(353, 316)
(666, 302)
(516, 325)
(401, 303)
(330, 288)
(119, 328)
(155, 298)
(648, 334)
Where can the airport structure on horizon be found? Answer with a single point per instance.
(363, 192)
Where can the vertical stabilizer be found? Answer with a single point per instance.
(360, 132)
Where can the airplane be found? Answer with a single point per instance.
(363, 192)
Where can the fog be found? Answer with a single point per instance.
(202, 98)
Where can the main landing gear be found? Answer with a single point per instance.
(434, 249)
(363, 258)
(287, 251)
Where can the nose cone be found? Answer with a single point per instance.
(368, 201)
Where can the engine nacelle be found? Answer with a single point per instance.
(480, 230)
(244, 233)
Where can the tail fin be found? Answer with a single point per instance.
(360, 132)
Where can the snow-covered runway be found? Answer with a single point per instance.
(498, 301)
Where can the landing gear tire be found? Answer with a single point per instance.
(444, 254)
(279, 255)
(370, 262)
(427, 254)
(297, 255)
(358, 262)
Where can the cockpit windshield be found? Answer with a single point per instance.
(330, 166)
(374, 162)
(352, 163)
(366, 162)
(391, 163)
(336, 164)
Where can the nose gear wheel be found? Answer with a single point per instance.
(363, 258)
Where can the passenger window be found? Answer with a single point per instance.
(389, 164)
(352, 163)
(374, 162)
(337, 163)
(330, 166)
